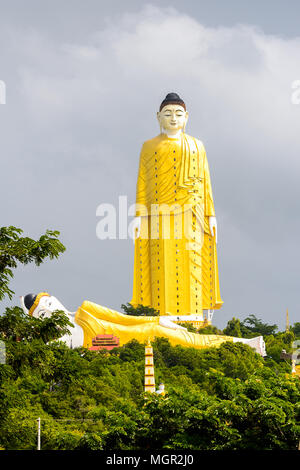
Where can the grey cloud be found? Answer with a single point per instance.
(78, 111)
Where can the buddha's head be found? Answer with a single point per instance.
(41, 305)
(172, 115)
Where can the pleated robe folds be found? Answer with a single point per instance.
(175, 263)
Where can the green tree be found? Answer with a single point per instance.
(15, 324)
(296, 329)
(276, 343)
(233, 328)
(16, 249)
(139, 311)
(256, 327)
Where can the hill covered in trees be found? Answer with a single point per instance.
(223, 398)
(217, 399)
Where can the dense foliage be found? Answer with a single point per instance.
(225, 398)
(217, 399)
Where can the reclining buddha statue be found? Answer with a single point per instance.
(91, 320)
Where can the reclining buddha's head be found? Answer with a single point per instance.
(42, 304)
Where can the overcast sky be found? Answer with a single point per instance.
(84, 82)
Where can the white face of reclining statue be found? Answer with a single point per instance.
(47, 305)
(45, 308)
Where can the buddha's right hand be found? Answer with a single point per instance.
(136, 228)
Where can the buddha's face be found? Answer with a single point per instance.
(46, 306)
(172, 117)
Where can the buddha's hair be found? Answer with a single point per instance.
(172, 98)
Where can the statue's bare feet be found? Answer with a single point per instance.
(256, 343)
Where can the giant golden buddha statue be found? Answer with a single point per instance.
(175, 270)
(175, 266)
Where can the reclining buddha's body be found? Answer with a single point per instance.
(91, 320)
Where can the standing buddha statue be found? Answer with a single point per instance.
(175, 267)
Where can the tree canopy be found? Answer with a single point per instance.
(16, 249)
(217, 399)
(139, 311)
(226, 398)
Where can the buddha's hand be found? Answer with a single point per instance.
(136, 228)
(213, 227)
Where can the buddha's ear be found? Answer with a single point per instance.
(185, 122)
(158, 115)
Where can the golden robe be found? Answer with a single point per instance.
(98, 320)
(175, 265)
